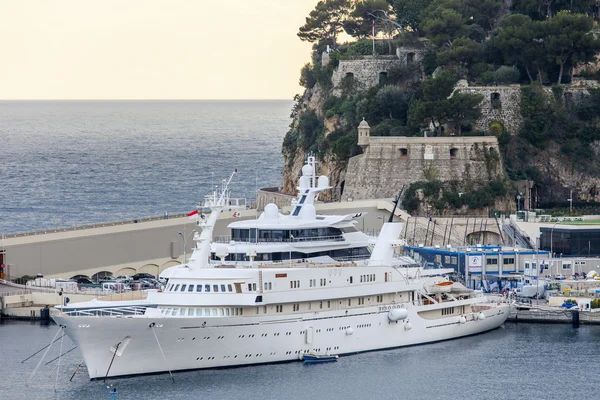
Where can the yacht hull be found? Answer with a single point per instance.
(131, 345)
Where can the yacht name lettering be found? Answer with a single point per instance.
(388, 308)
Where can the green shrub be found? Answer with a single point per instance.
(429, 63)
(507, 75)
(364, 47)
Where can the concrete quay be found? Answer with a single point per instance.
(153, 245)
(555, 315)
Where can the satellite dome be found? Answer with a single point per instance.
(323, 182)
(221, 250)
(307, 170)
(271, 211)
(304, 182)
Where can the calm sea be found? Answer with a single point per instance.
(71, 163)
(518, 361)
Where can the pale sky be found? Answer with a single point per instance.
(151, 49)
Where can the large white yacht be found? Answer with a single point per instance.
(214, 317)
(300, 237)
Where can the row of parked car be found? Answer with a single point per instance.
(136, 282)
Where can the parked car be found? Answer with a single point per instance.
(142, 275)
(105, 278)
(84, 281)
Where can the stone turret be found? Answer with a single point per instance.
(364, 133)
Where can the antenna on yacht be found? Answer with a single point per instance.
(396, 200)
(216, 205)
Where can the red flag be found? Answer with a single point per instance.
(193, 214)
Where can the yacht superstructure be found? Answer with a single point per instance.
(303, 236)
(211, 316)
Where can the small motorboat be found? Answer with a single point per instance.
(319, 358)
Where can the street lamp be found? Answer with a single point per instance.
(185, 242)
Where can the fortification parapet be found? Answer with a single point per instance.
(391, 162)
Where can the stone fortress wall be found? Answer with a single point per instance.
(503, 103)
(369, 71)
(388, 163)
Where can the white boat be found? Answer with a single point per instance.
(303, 236)
(211, 317)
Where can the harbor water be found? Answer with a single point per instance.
(517, 361)
(73, 163)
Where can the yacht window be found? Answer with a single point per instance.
(328, 304)
(229, 288)
(238, 287)
(241, 311)
(222, 288)
(237, 311)
(162, 311)
(191, 288)
(207, 312)
(310, 283)
(182, 311)
(351, 278)
(171, 287)
(349, 302)
(249, 287)
(174, 311)
(227, 312)
(221, 312)
(214, 312)
(215, 288)
(198, 312)
(270, 286)
(207, 288)
(183, 288)
(199, 288)
(264, 309)
(190, 312)
(321, 305)
(254, 286)
(176, 287)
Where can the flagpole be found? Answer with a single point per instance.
(373, 36)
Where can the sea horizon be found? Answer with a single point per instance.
(68, 163)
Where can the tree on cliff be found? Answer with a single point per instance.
(326, 21)
(360, 22)
(408, 13)
(434, 106)
(518, 39)
(568, 37)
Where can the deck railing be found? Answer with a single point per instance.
(229, 239)
(107, 312)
